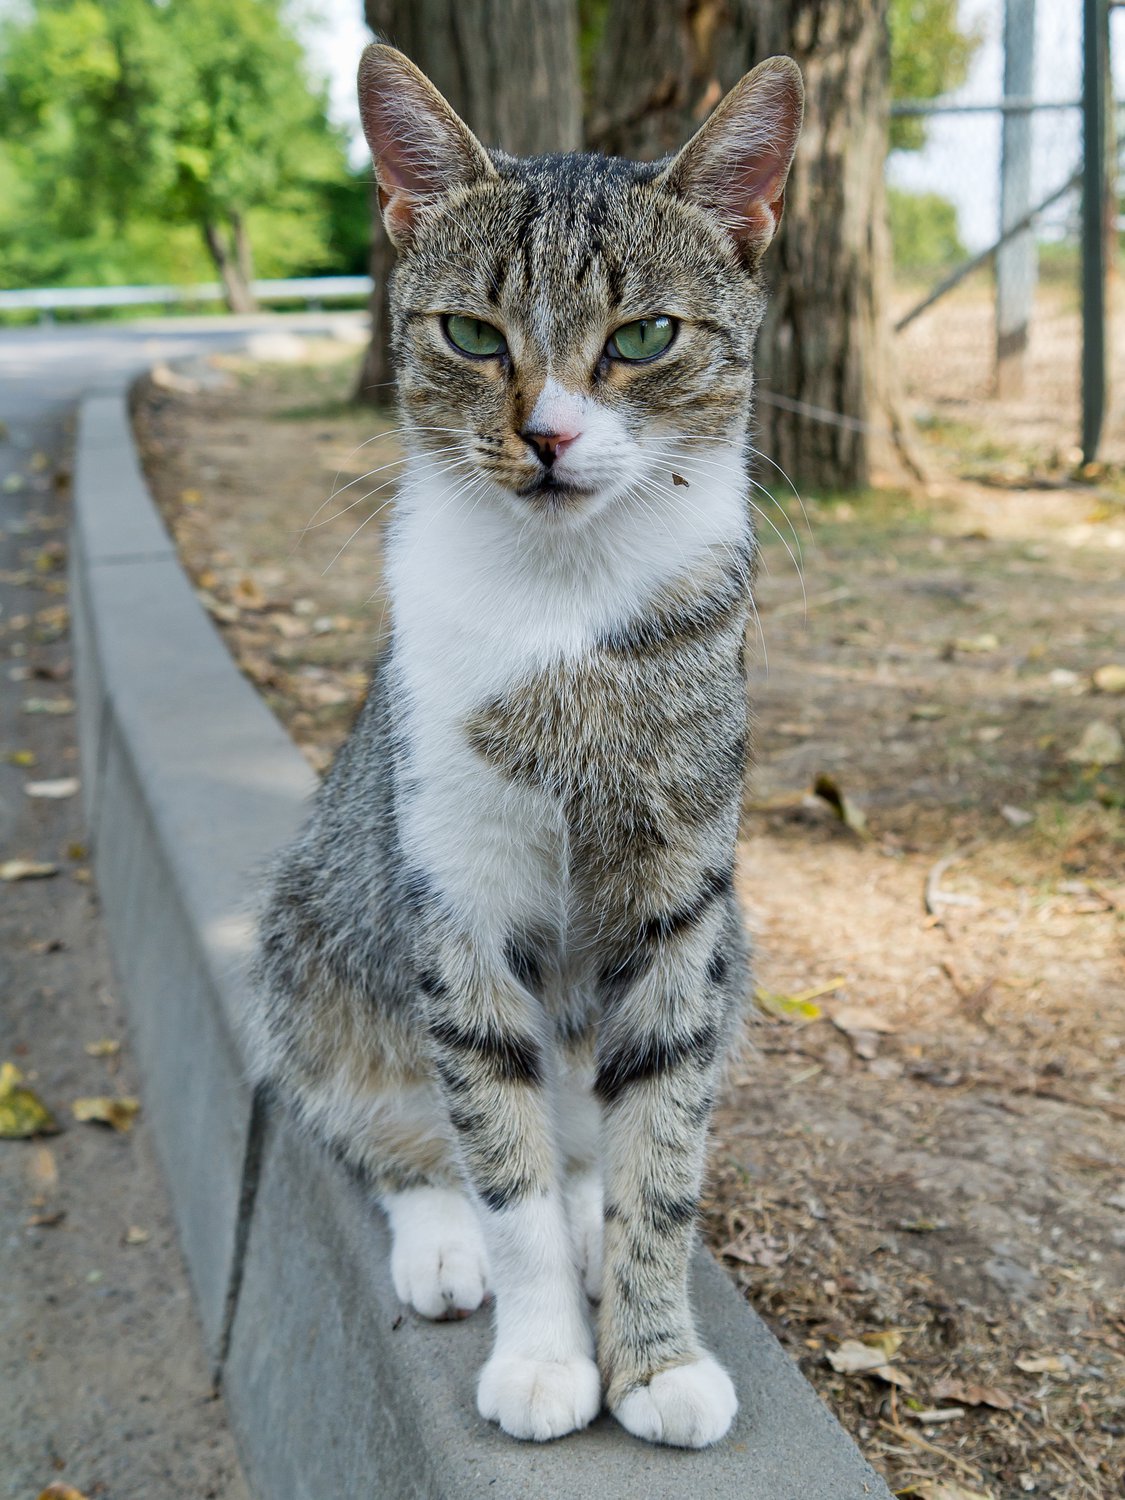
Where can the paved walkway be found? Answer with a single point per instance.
(104, 1381)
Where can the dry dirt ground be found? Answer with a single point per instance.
(922, 1151)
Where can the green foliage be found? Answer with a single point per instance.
(923, 231)
(129, 125)
(930, 55)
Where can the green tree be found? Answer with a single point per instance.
(188, 114)
(930, 55)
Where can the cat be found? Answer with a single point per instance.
(499, 969)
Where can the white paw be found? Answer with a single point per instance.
(538, 1398)
(438, 1260)
(585, 1209)
(690, 1406)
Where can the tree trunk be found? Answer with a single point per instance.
(826, 343)
(243, 250)
(510, 69)
(236, 288)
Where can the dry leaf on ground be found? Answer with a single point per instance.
(871, 1355)
(61, 1492)
(968, 1393)
(105, 1046)
(63, 786)
(1101, 745)
(22, 1113)
(26, 869)
(1042, 1364)
(848, 1018)
(1110, 678)
(48, 705)
(135, 1235)
(118, 1113)
(799, 1007)
(828, 789)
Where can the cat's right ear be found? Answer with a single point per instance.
(420, 147)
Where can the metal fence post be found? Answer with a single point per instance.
(1016, 260)
(1094, 67)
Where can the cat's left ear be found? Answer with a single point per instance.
(736, 164)
(420, 146)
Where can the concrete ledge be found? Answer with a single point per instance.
(333, 1391)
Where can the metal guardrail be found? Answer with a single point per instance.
(297, 289)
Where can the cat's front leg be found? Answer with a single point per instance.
(658, 1060)
(491, 1055)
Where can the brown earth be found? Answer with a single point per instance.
(931, 1147)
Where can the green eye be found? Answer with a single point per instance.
(644, 339)
(472, 336)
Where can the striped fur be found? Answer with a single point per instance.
(501, 966)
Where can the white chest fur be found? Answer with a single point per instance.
(483, 598)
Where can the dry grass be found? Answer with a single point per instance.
(934, 1146)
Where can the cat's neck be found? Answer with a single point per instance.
(464, 557)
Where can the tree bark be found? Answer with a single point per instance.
(236, 288)
(826, 340)
(510, 70)
(244, 253)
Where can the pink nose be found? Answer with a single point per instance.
(548, 445)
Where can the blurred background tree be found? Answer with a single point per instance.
(142, 138)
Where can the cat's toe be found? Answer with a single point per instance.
(539, 1399)
(690, 1406)
(585, 1203)
(438, 1260)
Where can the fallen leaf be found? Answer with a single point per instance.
(60, 1491)
(927, 711)
(190, 497)
(853, 1357)
(971, 1394)
(246, 594)
(786, 1007)
(43, 1169)
(679, 479)
(1018, 817)
(48, 705)
(945, 1489)
(22, 1113)
(1110, 678)
(25, 758)
(1042, 1364)
(977, 644)
(26, 869)
(63, 786)
(135, 1235)
(49, 1220)
(848, 1018)
(106, 1046)
(887, 1340)
(1101, 745)
(829, 790)
(118, 1113)
(289, 627)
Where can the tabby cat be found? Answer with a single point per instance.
(499, 968)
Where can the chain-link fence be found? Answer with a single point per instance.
(1007, 224)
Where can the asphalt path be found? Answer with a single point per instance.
(103, 1378)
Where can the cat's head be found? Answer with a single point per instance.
(567, 327)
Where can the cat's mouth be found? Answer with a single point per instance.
(551, 488)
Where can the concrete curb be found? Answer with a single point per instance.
(189, 785)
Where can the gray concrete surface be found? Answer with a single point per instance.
(331, 1388)
(103, 1380)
